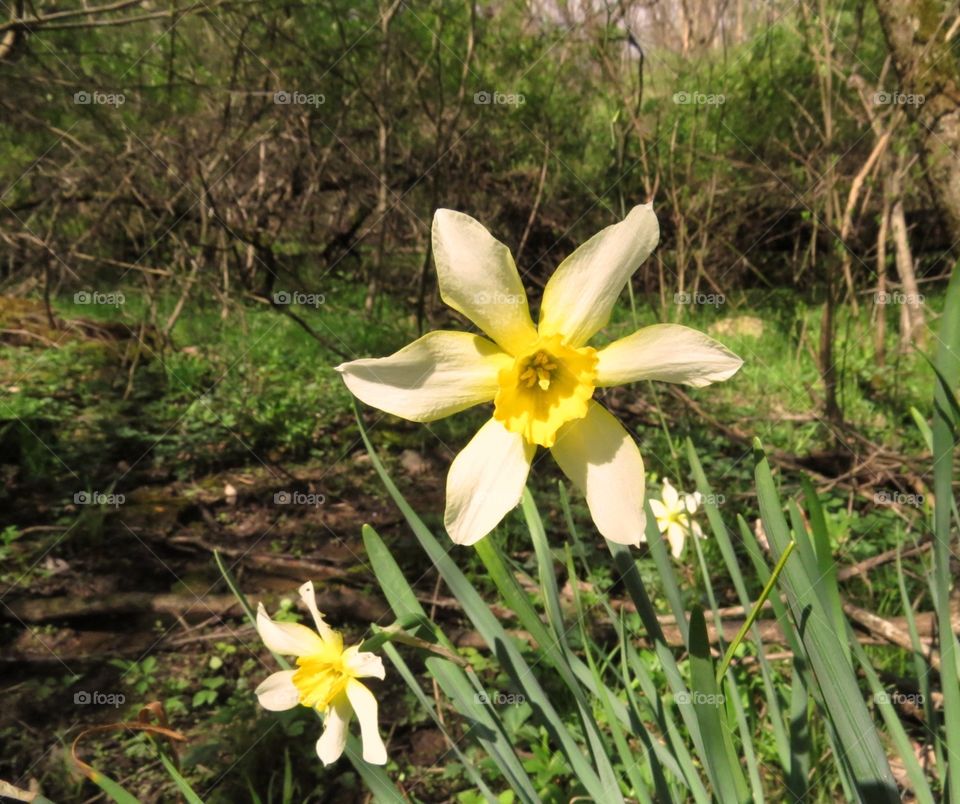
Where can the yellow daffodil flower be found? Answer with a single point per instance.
(325, 680)
(541, 379)
(674, 512)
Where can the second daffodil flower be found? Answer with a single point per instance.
(674, 514)
(325, 680)
(541, 379)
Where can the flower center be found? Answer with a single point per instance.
(677, 517)
(544, 389)
(321, 677)
(539, 371)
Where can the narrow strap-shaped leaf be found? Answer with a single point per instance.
(719, 756)
(859, 745)
(626, 566)
(668, 578)
(470, 699)
(374, 777)
(826, 566)
(944, 417)
(920, 664)
(628, 758)
(723, 541)
(905, 746)
(492, 633)
(182, 784)
(798, 771)
(674, 756)
(414, 686)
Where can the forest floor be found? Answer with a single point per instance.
(127, 466)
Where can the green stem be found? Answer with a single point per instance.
(755, 612)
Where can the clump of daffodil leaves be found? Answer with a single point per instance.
(541, 379)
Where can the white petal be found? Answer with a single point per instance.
(659, 510)
(287, 639)
(667, 352)
(435, 376)
(669, 495)
(676, 535)
(365, 664)
(309, 598)
(691, 501)
(580, 296)
(485, 481)
(334, 738)
(365, 707)
(697, 530)
(477, 277)
(277, 692)
(603, 461)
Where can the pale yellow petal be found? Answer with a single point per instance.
(364, 664)
(287, 639)
(669, 495)
(676, 535)
(580, 296)
(334, 738)
(277, 692)
(477, 277)
(435, 376)
(603, 461)
(667, 352)
(309, 598)
(485, 481)
(365, 707)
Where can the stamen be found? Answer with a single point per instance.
(539, 371)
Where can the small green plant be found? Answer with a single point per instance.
(7, 537)
(141, 675)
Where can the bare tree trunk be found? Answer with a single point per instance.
(880, 327)
(911, 311)
(383, 155)
(916, 33)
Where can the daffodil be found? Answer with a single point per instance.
(674, 512)
(325, 680)
(541, 379)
